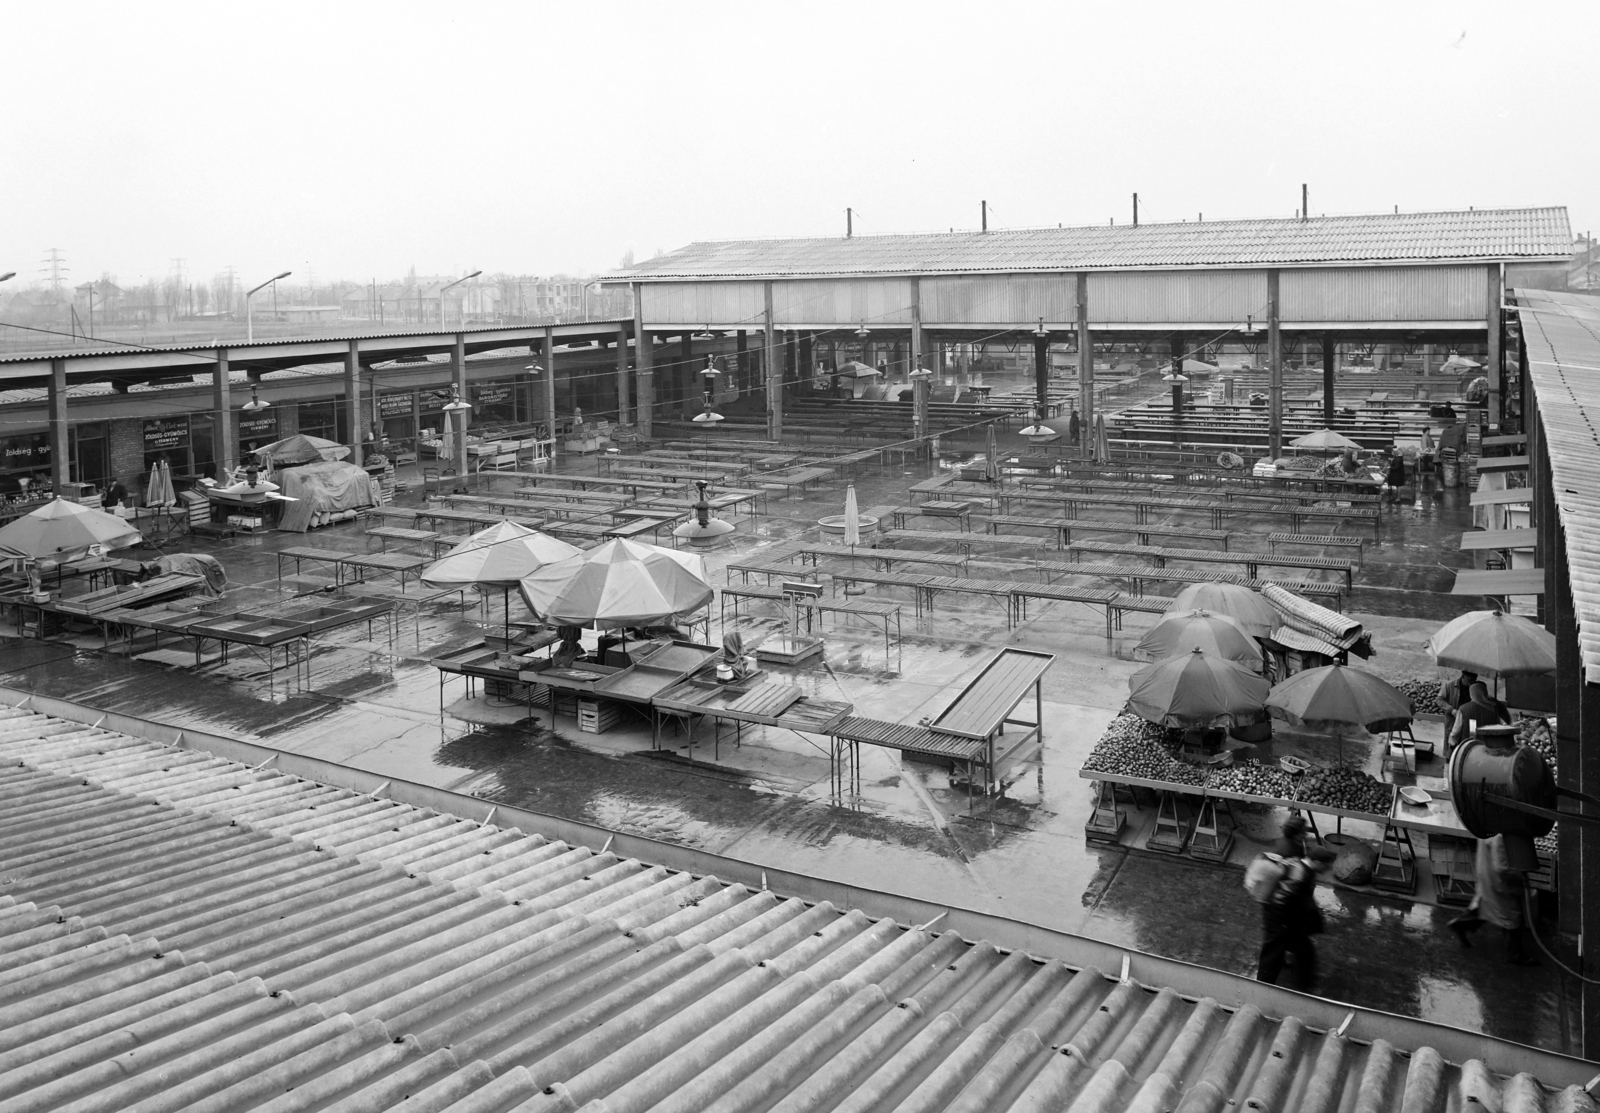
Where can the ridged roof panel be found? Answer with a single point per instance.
(179, 931)
(1482, 234)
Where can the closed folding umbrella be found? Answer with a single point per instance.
(64, 530)
(1178, 632)
(1336, 698)
(1196, 689)
(620, 583)
(1255, 615)
(1494, 643)
(991, 457)
(852, 517)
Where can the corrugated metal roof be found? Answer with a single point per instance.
(186, 932)
(1485, 234)
(1562, 335)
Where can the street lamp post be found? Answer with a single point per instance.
(442, 289)
(249, 318)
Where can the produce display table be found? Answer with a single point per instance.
(1252, 562)
(302, 553)
(386, 534)
(872, 610)
(397, 564)
(1500, 582)
(1144, 531)
(1496, 540)
(888, 557)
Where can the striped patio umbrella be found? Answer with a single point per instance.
(499, 556)
(620, 583)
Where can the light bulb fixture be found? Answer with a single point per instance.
(1249, 328)
(702, 530)
(456, 405)
(1173, 377)
(534, 369)
(710, 370)
(704, 334)
(706, 416)
(920, 373)
(255, 405)
(863, 331)
(1041, 331)
(1035, 428)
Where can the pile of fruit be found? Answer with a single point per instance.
(1536, 734)
(1252, 778)
(1132, 747)
(1423, 694)
(1348, 789)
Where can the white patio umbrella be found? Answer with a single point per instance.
(63, 530)
(1325, 440)
(498, 557)
(620, 583)
(852, 517)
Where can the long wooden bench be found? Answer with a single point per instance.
(1321, 540)
(958, 509)
(1142, 506)
(1138, 574)
(1251, 561)
(1063, 528)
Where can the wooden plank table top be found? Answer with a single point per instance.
(1510, 497)
(1507, 581)
(983, 704)
(1501, 463)
(1490, 540)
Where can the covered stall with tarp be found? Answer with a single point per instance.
(1309, 635)
(326, 491)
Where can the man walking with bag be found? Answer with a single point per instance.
(1290, 917)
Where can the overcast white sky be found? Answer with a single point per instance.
(355, 138)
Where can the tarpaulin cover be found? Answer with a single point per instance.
(329, 486)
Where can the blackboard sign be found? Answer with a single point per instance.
(28, 451)
(433, 401)
(164, 433)
(491, 394)
(395, 405)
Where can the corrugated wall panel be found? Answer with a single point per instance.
(1385, 294)
(876, 301)
(1004, 298)
(1201, 297)
(702, 303)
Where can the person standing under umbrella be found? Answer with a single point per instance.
(1482, 709)
(1453, 694)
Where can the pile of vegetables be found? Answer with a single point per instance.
(1347, 789)
(1132, 747)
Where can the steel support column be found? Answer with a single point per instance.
(624, 417)
(1085, 372)
(1274, 370)
(772, 367)
(1041, 373)
(60, 440)
(550, 383)
(352, 401)
(223, 443)
(1492, 361)
(643, 358)
(919, 398)
(458, 370)
(1330, 357)
(684, 374)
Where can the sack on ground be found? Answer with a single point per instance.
(1264, 875)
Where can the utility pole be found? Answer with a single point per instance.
(1136, 210)
(984, 205)
(1305, 202)
(56, 267)
(849, 223)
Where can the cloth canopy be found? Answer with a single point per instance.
(1325, 439)
(620, 583)
(498, 556)
(1178, 632)
(854, 370)
(1254, 614)
(64, 530)
(1196, 689)
(301, 449)
(1493, 643)
(1335, 698)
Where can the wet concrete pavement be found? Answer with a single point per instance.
(379, 707)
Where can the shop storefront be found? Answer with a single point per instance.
(27, 456)
(183, 440)
(257, 430)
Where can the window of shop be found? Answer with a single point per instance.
(320, 419)
(431, 403)
(25, 456)
(91, 456)
(257, 430)
(398, 415)
(494, 403)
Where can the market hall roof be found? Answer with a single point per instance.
(185, 930)
(1477, 235)
(1561, 333)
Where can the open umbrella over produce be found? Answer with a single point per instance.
(1196, 689)
(621, 583)
(1325, 439)
(1496, 643)
(64, 530)
(1255, 615)
(498, 557)
(1181, 631)
(1336, 699)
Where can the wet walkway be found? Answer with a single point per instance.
(380, 708)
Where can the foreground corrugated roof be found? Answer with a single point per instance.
(1482, 234)
(1562, 335)
(179, 931)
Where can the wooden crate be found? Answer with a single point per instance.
(596, 716)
